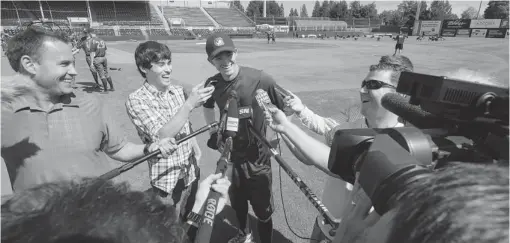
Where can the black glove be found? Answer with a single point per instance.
(212, 142)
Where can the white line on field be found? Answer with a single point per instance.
(200, 43)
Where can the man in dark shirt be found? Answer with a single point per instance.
(98, 54)
(251, 172)
(400, 43)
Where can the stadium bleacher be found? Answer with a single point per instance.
(157, 32)
(229, 17)
(191, 16)
(130, 32)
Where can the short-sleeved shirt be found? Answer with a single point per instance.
(149, 110)
(99, 47)
(85, 45)
(248, 153)
(400, 39)
(68, 141)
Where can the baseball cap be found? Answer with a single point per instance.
(218, 42)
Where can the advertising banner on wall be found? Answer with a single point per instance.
(463, 32)
(479, 33)
(485, 23)
(498, 33)
(431, 27)
(456, 24)
(504, 24)
(449, 32)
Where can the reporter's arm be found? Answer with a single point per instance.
(316, 151)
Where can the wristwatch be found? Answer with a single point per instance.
(146, 149)
(194, 219)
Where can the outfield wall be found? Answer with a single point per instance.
(467, 28)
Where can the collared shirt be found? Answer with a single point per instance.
(65, 142)
(149, 110)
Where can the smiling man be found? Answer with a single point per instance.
(50, 133)
(252, 161)
(160, 109)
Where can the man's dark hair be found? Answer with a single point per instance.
(397, 64)
(90, 210)
(149, 52)
(462, 202)
(29, 42)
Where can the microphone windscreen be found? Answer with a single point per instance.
(413, 114)
(263, 99)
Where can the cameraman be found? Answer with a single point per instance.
(381, 79)
(93, 210)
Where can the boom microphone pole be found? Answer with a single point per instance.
(330, 219)
(123, 168)
(211, 203)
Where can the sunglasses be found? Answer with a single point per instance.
(374, 84)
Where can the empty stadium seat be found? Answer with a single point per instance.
(157, 32)
(229, 17)
(130, 32)
(191, 16)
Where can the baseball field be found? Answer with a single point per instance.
(325, 74)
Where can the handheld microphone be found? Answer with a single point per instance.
(211, 203)
(223, 119)
(283, 92)
(263, 100)
(413, 114)
(232, 125)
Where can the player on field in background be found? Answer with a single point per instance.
(400, 43)
(85, 44)
(98, 54)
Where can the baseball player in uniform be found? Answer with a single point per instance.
(85, 44)
(98, 54)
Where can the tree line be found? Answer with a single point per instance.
(404, 15)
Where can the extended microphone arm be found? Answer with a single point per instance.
(211, 203)
(330, 219)
(125, 167)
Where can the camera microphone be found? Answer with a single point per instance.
(399, 105)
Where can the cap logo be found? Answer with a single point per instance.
(219, 41)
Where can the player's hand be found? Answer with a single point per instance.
(167, 146)
(294, 103)
(199, 95)
(216, 182)
(276, 119)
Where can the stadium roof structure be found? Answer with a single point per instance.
(317, 23)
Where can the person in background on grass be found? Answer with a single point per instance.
(160, 109)
(49, 132)
(98, 54)
(86, 44)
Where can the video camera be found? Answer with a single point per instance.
(454, 120)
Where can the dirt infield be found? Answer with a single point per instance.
(325, 74)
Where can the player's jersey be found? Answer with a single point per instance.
(85, 45)
(99, 47)
(400, 39)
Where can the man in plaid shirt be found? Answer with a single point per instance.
(159, 110)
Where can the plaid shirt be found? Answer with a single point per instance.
(149, 110)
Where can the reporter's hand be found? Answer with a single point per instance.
(276, 119)
(199, 95)
(92, 68)
(166, 145)
(294, 103)
(219, 184)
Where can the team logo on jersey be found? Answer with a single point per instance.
(219, 41)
